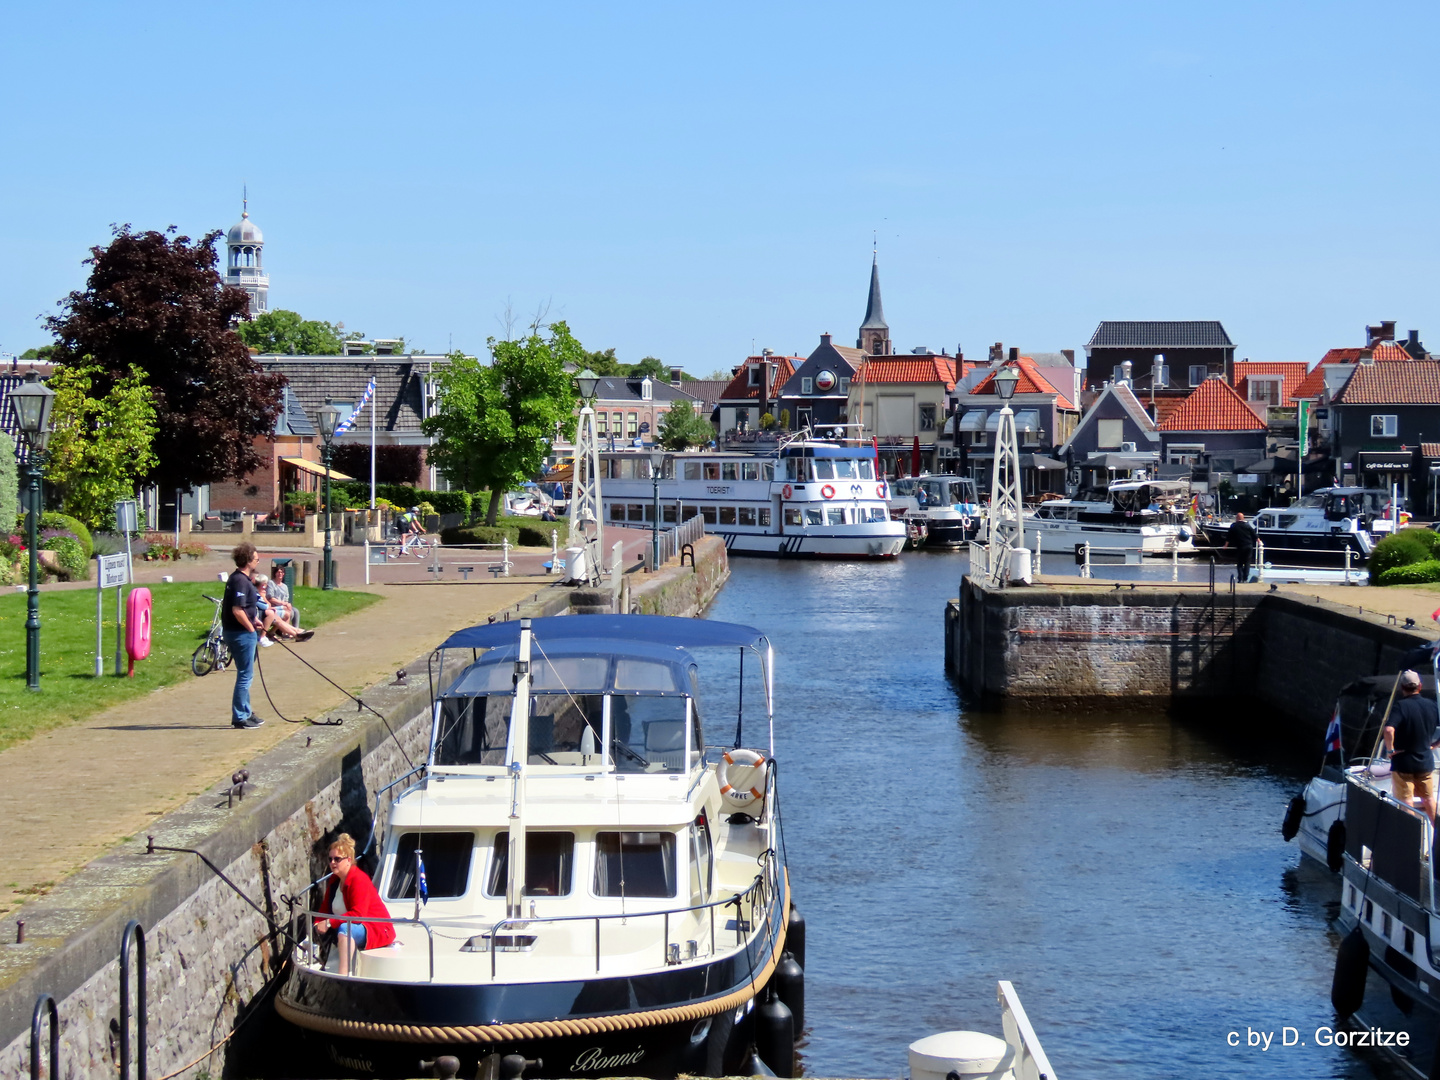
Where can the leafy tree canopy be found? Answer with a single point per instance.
(682, 427)
(606, 363)
(101, 446)
(494, 424)
(282, 331)
(44, 352)
(155, 302)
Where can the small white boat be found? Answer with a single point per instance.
(1320, 529)
(947, 506)
(1135, 516)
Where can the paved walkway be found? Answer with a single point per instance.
(69, 794)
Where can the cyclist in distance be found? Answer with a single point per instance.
(410, 527)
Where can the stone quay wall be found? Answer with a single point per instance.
(1059, 645)
(685, 591)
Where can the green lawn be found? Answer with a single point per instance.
(69, 689)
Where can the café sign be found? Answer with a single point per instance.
(1385, 462)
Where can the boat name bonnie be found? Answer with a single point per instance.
(593, 1058)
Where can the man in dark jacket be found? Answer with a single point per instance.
(1241, 537)
(1409, 735)
(240, 626)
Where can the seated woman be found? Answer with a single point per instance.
(271, 622)
(351, 892)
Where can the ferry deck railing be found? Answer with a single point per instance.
(1030, 1062)
(674, 541)
(750, 904)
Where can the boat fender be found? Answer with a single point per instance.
(1347, 989)
(790, 986)
(137, 626)
(828, 491)
(880, 491)
(775, 1035)
(754, 779)
(787, 491)
(1335, 847)
(795, 935)
(1293, 815)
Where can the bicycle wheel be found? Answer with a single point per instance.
(204, 660)
(419, 546)
(222, 655)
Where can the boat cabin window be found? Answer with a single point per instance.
(824, 469)
(729, 470)
(635, 864)
(711, 470)
(701, 861)
(446, 856)
(474, 730)
(647, 733)
(565, 729)
(692, 470)
(792, 515)
(835, 515)
(812, 515)
(877, 513)
(549, 861)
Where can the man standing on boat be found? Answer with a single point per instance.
(1241, 537)
(1409, 736)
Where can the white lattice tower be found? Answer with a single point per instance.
(587, 519)
(1006, 522)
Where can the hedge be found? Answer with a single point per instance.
(51, 520)
(523, 532)
(357, 496)
(1401, 549)
(74, 566)
(1420, 573)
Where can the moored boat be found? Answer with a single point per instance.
(576, 877)
(1144, 517)
(946, 507)
(1334, 526)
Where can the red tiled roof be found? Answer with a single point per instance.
(1430, 449)
(1165, 407)
(1416, 382)
(1213, 406)
(1313, 385)
(740, 388)
(1292, 373)
(908, 369)
(1031, 381)
(1383, 351)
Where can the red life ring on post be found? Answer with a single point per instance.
(880, 491)
(137, 626)
(787, 491)
(828, 491)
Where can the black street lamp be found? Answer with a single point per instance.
(329, 419)
(657, 465)
(32, 400)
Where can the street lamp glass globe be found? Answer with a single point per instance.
(586, 382)
(657, 462)
(328, 417)
(32, 400)
(1005, 381)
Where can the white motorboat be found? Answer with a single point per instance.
(1328, 527)
(947, 506)
(808, 498)
(1134, 516)
(576, 877)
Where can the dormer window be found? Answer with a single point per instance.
(754, 374)
(647, 389)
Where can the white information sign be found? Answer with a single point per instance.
(114, 570)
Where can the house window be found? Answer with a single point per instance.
(1382, 427)
(619, 419)
(807, 385)
(927, 417)
(978, 438)
(602, 424)
(647, 389)
(1184, 453)
(632, 425)
(1198, 374)
(1266, 390)
(1109, 434)
(844, 385)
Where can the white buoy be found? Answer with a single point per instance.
(970, 1055)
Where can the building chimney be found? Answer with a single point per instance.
(1414, 337)
(1068, 354)
(1014, 353)
(824, 339)
(675, 379)
(1125, 368)
(997, 352)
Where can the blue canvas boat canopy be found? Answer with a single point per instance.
(655, 629)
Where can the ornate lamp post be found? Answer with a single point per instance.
(657, 466)
(1005, 510)
(328, 417)
(32, 400)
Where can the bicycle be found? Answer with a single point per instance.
(212, 654)
(395, 546)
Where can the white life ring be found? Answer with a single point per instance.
(880, 491)
(751, 765)
(828, 491)
(787, 491)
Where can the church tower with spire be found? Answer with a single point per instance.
(875, 331)
(244, 267)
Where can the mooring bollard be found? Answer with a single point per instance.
(505, 553)
(45, 1003)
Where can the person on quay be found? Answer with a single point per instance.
(351, 892)
(272, 617)
(240, 627)
(279, 595)
(1241, 537)
(1410, 736)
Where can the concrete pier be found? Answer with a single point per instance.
(1069, 642)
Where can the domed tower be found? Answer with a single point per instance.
(244, 268)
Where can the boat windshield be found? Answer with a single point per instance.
(842, 469)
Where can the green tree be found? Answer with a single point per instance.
(9, 485)
(494, 424)
(682, 427)
(42, 353)
(286, 332)
(602, 363)
(101, 446)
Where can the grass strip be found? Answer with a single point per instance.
(69, 690)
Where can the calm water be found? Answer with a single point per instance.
(1124, 870)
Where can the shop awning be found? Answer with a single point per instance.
(1027, 420)
(310, 467)
(974, 420)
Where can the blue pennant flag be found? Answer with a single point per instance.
(422, 890)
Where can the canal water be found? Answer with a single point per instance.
(1123, 869)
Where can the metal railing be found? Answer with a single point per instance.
(1351, 572)
(673, 541)
(1030, 1062)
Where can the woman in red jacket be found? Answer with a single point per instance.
(351, 892)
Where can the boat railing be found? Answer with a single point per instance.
(674, 541)
(752, 905)
(1262, 549)
(1030, 1062)
(381, 804)
(1390, 839)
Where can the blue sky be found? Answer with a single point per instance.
(690, 182)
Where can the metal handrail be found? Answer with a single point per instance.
(672, 541)
(379, 797)
(133, 932)
(47, 1003)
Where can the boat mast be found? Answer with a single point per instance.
(520, 750)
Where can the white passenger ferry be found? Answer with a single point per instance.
(807, 498)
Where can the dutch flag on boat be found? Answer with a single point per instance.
(1332, 733)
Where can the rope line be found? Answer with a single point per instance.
(537, 1029)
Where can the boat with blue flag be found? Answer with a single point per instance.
(586, 878)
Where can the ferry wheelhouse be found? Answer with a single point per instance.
(806, 499)
(575, 877)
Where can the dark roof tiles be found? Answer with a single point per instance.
(1160, 335)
